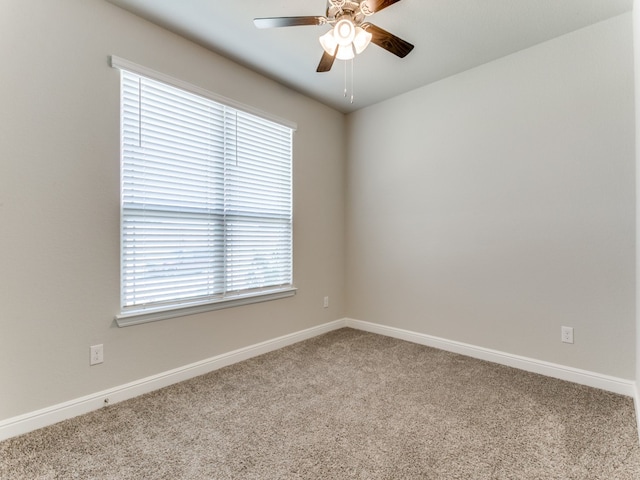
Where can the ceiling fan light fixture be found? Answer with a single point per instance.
(348, 39)
(330, 44)
(350, 35)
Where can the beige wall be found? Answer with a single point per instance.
(59, 205)
(497, 205)
(489, 208)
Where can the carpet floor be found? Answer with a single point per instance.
(345, 405)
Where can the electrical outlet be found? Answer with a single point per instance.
(97, 354)
(567, 334)
(326, 302)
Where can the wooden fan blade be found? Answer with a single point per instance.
(326, 62)
(377, 5)
(274, 22)
(387, 40)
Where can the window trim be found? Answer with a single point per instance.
(136, 316)
(152, 314)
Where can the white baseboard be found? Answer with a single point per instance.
(63, 411)
(48, 416)
(575, 375)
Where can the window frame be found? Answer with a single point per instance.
(153, 312)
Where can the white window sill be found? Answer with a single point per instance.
(136, 317)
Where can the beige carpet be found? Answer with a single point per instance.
(346, 405)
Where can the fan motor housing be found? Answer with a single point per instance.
(337, 9)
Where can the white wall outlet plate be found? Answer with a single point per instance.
(97, 354)
(567, 334)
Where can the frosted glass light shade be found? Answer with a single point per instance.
(328, 42)
(345, 53)
(345, 32)
(361, 40)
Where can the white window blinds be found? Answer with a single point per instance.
(206, 199)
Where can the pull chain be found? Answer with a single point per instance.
(351, 80)
(345, 80)
(352, 93)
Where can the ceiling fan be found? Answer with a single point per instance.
(350, 33)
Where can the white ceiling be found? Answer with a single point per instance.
(450, 36)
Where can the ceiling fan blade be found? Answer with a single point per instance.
(387, 40)
(377, 5)
(274, 22)
(326, 62)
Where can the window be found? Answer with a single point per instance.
(206, 203)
